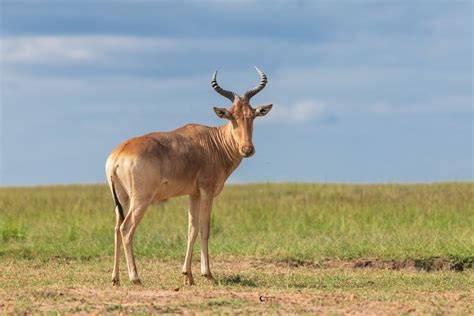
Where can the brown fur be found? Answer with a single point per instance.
(193, 160)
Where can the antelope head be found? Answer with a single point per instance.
(241, 114)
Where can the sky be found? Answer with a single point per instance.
(363, 91)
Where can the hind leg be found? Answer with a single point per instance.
(193, 229)
(118, 245)
(124, 200)
(127, 231)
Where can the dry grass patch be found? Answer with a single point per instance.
(244, 285)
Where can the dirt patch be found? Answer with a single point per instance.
(424, 264)
(245, 285)
(190, 300)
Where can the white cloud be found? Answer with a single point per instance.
(303, 111)
(53, 49)
(401, 76)
(40, 49)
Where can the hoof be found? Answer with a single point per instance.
(115, 282)
(210, 279)
(137, 282)
(188, 279)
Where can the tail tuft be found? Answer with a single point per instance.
(117, 202)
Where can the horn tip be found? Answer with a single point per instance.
(259, 71)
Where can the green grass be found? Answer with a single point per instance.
(304, 247)
(275, 221)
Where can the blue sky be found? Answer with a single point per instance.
(363, 91)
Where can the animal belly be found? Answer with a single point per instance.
(174, 187)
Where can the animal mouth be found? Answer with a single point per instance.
(247, 155)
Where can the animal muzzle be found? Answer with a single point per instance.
(247, 150)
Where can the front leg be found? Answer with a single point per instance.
(204, 225)
(193, 226)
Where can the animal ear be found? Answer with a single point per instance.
(263, 110)
(223, 113)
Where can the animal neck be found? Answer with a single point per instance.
(226, 146)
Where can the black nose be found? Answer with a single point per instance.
(247, 150)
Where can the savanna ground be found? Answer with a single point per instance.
(288, 248)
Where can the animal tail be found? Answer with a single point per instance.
(117, 202)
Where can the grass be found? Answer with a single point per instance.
(244, 286)
(296, 221)
(305, 248)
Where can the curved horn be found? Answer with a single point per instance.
(228, 94)
(263, 82)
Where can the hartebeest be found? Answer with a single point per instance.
(194, 159)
